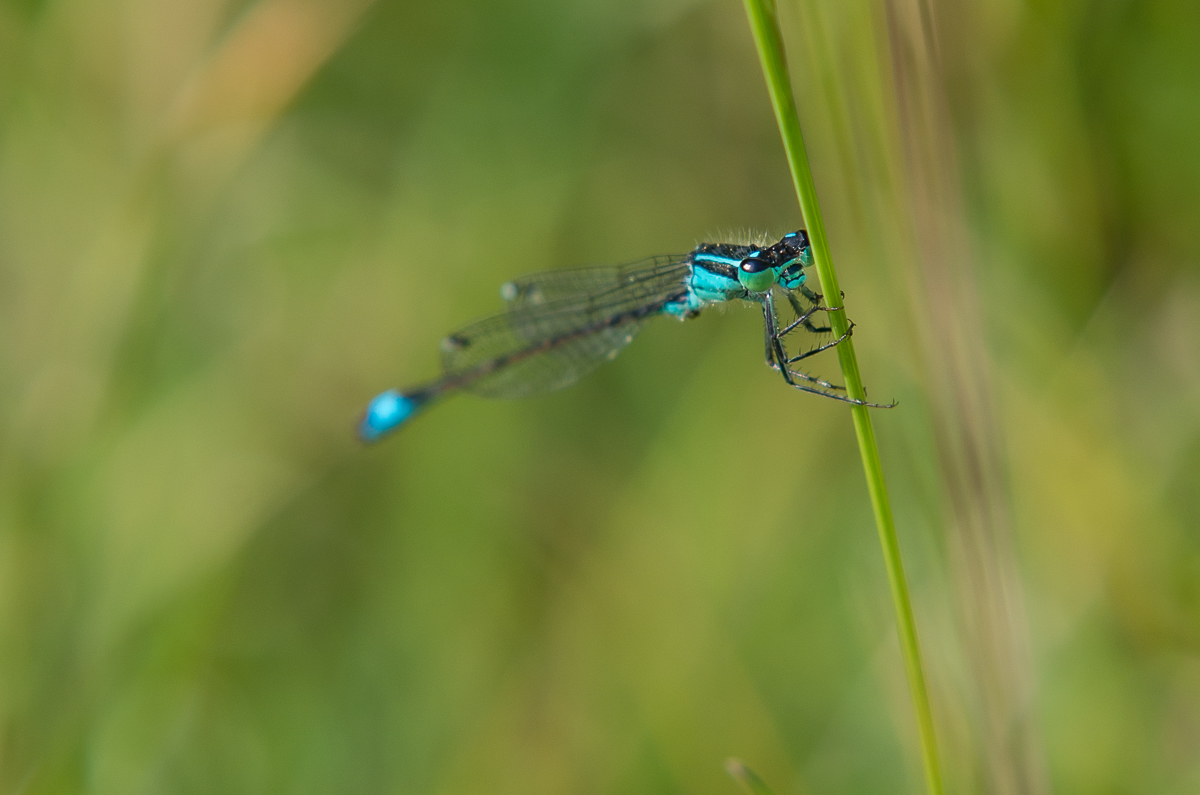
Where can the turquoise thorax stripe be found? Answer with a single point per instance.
(732, 261)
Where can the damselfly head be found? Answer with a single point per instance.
(782, 262)
(796, 246)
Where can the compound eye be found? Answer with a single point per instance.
(756, 275)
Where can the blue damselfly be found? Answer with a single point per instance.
(560, 325)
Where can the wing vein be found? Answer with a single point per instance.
(560, 325)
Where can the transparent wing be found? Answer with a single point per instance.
(539, 288)
(596, 281)
(560, 326)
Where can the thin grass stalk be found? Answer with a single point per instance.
(764, 25)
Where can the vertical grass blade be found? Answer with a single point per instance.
(765, 27)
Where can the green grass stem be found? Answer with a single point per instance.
(765, 26)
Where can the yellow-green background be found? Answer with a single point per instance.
(225, 224)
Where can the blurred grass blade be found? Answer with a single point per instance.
(765, 27)
(749, 780)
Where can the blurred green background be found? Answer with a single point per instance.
(226, 224)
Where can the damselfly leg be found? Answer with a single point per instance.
(771, 341)
(778, 359)
(803, 316)
(802, 319)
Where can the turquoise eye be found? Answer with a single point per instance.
(756, 275)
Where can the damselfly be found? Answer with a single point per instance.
(559, 326)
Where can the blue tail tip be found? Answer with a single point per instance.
(384, 413)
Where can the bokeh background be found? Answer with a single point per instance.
(225, 224)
